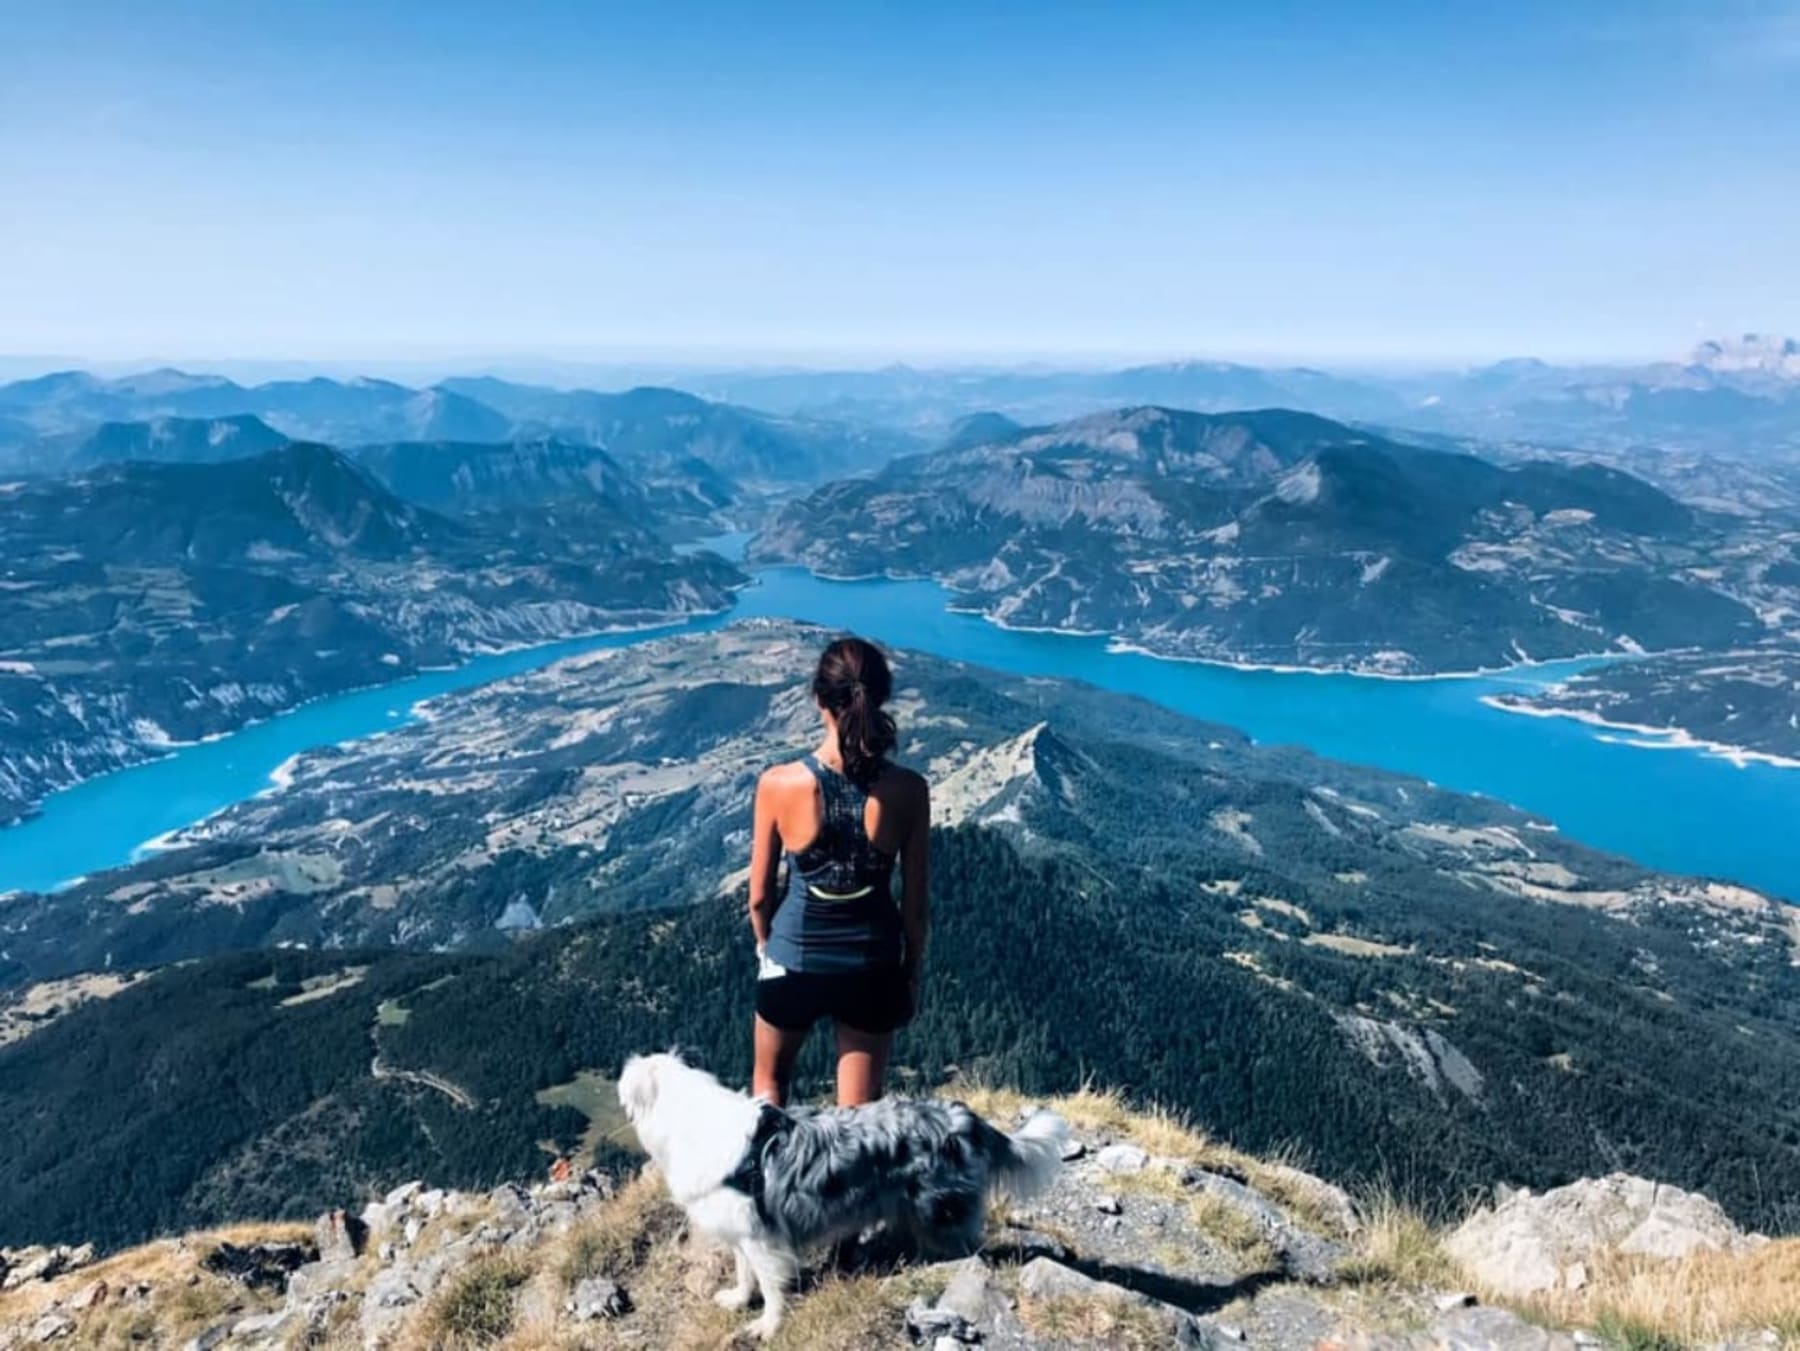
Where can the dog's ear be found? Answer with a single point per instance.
(637, 1087)
(688, 1056)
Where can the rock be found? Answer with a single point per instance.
(1459, 1299)
(1107, 1204)
(1042, 1278)
(946, 1343)
(1229, 1332)
(597, 1297)
(924, 1323)
(402, 1195)
(1122, 1159)
(31, 1264)
(90, 1296)
(73, 1259)
(214, 1336)
(1575, 1276)
(319, 1278)
(51, 1327)
(261, 1266)
(339, 1234)
(262, 1328)
(1485, 1329)
(1072, 1149)
(1325, 1199)
(511, 1201)
(1526, 1243)
(972, 1295)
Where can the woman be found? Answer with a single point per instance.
(832, 943)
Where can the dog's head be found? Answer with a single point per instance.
(641, 1083)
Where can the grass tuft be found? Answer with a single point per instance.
(1085, 1320)
(1397, 1248)
(1643, 1304)
(615, 1242)
(478, 1306)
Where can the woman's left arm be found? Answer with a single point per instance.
(915, 886)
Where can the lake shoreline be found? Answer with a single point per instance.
(1666, 738)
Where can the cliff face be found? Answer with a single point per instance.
(1152, 1236)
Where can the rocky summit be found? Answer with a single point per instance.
(1153, 1236)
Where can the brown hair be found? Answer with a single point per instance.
(852, 683)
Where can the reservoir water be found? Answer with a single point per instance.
(1677, 809)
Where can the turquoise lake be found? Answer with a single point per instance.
(1677, 809)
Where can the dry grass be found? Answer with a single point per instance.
(844, 1313)
(1397, 1248)
(1078, 1320)
(477, 1306)
(615, 1242)
(181, 1299)
(1640, 1303)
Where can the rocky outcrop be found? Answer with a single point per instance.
(1529, 1243)
(1152, 1236)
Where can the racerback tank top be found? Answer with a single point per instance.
(838, 913)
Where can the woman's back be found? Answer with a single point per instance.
(840, 839)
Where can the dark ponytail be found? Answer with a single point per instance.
(852, 683)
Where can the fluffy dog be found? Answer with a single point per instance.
(768, 1183)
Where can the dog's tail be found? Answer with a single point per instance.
(1026, 1163)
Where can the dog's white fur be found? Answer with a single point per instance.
(698, 1133)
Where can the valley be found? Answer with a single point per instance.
(144, 605)
(1419, 984)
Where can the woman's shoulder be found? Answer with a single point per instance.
(787, 774)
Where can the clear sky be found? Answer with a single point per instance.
(1333, 181)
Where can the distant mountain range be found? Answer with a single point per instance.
(1426, 989)
(1282, 538)
(1739, 396)
(60, 423)
(145, 603)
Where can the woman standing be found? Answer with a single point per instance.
(832, 943)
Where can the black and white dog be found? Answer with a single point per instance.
(767, 1183)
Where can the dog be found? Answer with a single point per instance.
(768, 1183)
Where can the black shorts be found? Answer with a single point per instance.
(876, 999)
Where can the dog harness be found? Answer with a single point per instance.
(750, 1176)
(838, 913)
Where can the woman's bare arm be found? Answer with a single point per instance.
(765, 860)
(915, 883)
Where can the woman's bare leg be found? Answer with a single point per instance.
(776, 1051)
(862, 1063)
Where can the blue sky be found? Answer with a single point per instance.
(1337, 182)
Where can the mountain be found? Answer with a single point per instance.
(666, 437)
(1733, 397)
(175, 440)
(978, 429)
(1278, 537)
(145, 603)
(320, 409)
(658, 430)
(1426, 989)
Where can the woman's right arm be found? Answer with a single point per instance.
(765, 860)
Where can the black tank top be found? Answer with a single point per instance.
(838, 913)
